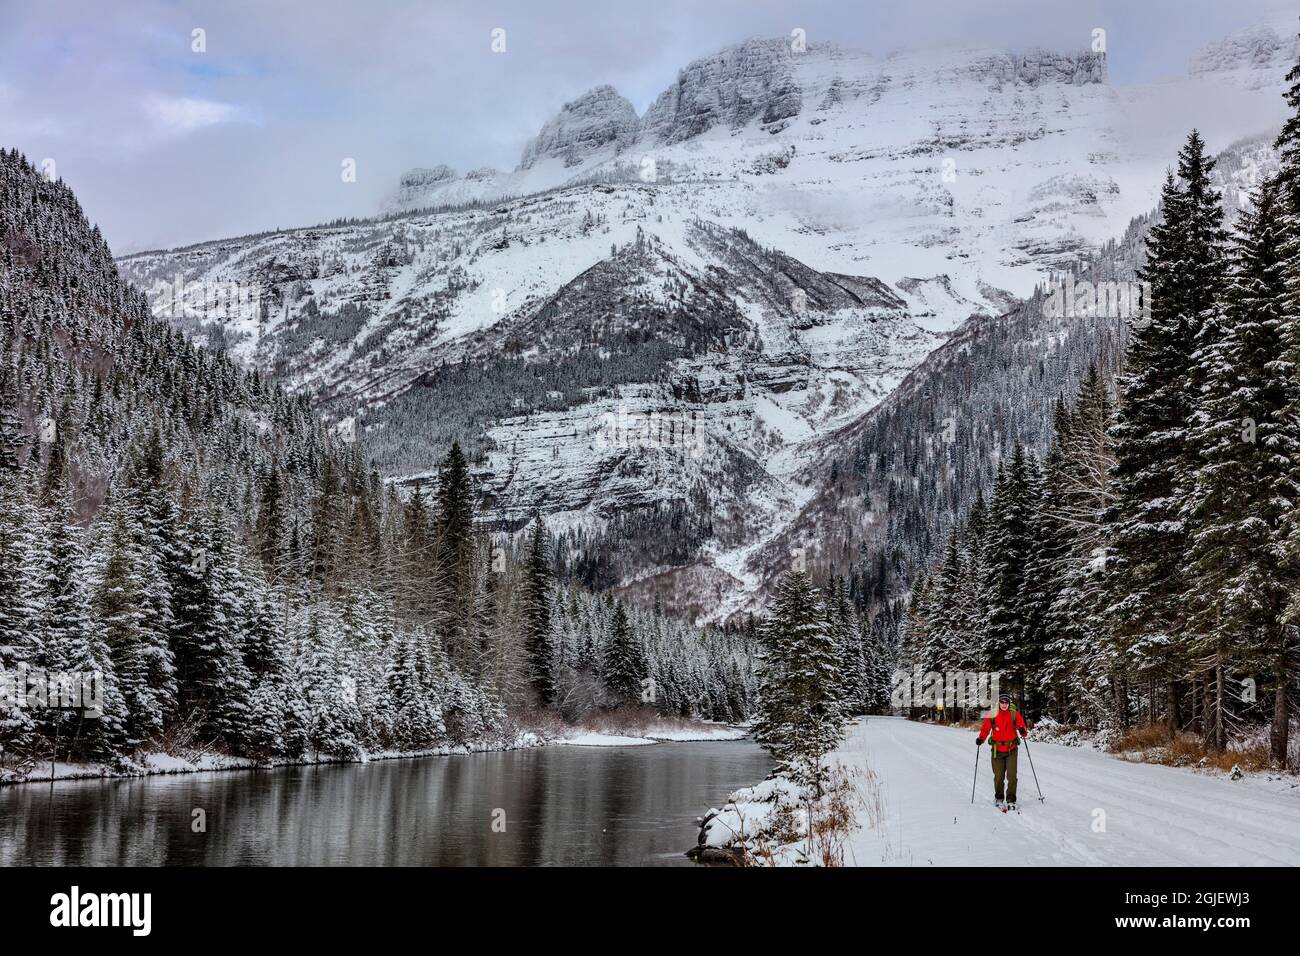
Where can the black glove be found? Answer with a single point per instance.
(979, 741)
(1023, 732)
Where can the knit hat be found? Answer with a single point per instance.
(1004, 698)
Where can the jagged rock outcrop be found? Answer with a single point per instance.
(598, 118)
(1260, 50)
(1047, 66)
(732, 87)
(417, 182)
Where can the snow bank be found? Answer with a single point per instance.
(714, 732)
(780, 823)
(604, 740)
(156, 763)
(653, 732)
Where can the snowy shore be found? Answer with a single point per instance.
(652, 734)
(158, 763)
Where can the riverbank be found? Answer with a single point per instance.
(622, 731)
(154, 763)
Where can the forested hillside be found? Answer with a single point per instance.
(239, 577)
(1147, 568)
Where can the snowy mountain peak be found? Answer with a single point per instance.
(1252, 57)
(597, 119)
(733, 86)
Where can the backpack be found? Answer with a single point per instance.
(1011, 745)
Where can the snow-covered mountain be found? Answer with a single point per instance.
(1252, 58)
(657, 321)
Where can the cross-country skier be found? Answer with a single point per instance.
(1003, 723)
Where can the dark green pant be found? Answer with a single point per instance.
(1004, 766)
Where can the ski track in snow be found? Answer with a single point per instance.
(1154, 815)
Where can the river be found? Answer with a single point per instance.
(556, 805)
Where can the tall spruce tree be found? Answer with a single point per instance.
(1009, 546)
(1154, 464)
(1248, 444)
(537, 627)
(1288, 144)
(133, 625)
(623, 669)
(456, 559)
(801, 720)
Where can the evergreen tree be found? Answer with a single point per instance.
(456, 559)
(130, 626)
(1185, 269)
(537, 630)
(1248, 444)
(624, 667)
(1080, 673)
(214, 682)
(1288, 145)
(800, 719)
(1009, 547)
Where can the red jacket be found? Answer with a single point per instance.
(1004, 724)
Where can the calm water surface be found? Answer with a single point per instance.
(609, 806)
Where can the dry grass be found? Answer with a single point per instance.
(850, 792)
(1152, 743)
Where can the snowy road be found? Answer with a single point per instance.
(1153, 815)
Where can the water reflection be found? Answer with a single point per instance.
(622, 806)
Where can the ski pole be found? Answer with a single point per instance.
(977, 774)
(1032, 770)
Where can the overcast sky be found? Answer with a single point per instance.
(166, 145)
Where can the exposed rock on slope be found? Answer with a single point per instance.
(596, 119)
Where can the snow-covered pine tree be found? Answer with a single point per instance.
(1248, 442)
(417, 589)
(1148, 532)
(915, 633)
(623, 669)
(133, 623)
(1288, 145)
(1080, 666)
(800, 719)
(213, 680)
(333, 716)
(852, 692)
(536, 617)
(69, 649)
(455, 561)
(1009, 546)
(18, 557)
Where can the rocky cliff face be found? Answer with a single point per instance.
(753, 80)
(594, 120)
(1252, 57)
(417, 183)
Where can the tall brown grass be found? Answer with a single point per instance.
(1153, 743)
